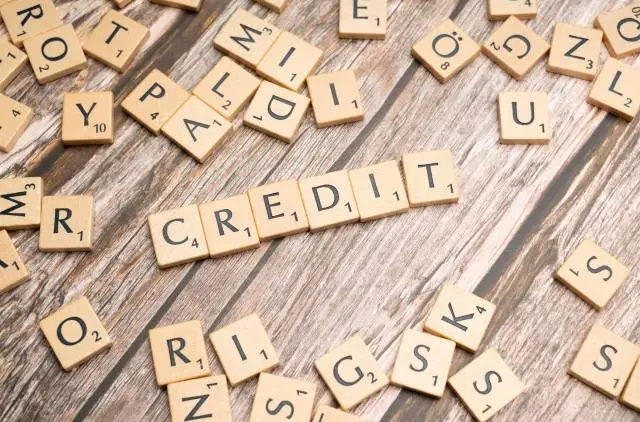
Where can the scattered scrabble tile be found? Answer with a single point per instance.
(229, 226)
(616, 89)
(155, 100)
(329, 414)
(351, 373)
(192, 5)
(515, 48)
(75, 333)
(604, 361)
(575, 51)
(178, 352)
(592, 273)
(282, 398)
(197, 128)
(12, 60)
(12, 270)
(66, 223)
(446, 50)
(431, 178)
(500, 10)
(486, 385)
(328, 200)
(379, 190)
(276, 5)
(278, 209)
(87, 118)
(227, 88)
(246, 38)
(244, 349)
(631, 394)
(336, 98)
(460, 316)
(204, 398)
(27, 18)
(14, 119)
(122, 3)
(363, 19)
(116, 40)
(20, 203)
(178, 236)
(524, 118)
(620, 29)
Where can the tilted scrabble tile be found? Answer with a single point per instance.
(204, 398)
(379, 190)
(192, 5)
(621, 29)
(575, 51)
(178, 236)
(75, 333)
(363, 19)
(244, 349)
(154, 100)
(66, 223)
(631, 394)
(178, 352)
(20, 203)
(329, 414)
(351, 373)
(116, 40)
(12, 270)
(277, 5)
(14, 119)
(122, 3)
(197, 128)
(27, 18)
(524, 118)
(282, 398)
(328, 200)
(246, 38)
(616, 89)
(486, 385)
(515, 48)
(278, 209)
(500, 10)
(446, 50)
(592, 273)
(430, 177)
(87, 118)
(604, 361)
(336, 98)
(12, 60)
(460, 316)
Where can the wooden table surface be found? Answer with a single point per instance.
(522, 212)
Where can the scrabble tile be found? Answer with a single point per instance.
(575, 51)
(197, 128)
(246, 38)
(278, 209)
(87, 118)
(336, 98)
(20, 203)
(14, 119)
(616, 90)
(282, 398)
(446, 50)
(631, 394)
(122, 3)
(363, 19)
(229, 226)
(351, 373)
(192, 5)
(328, 200)
(204, 398)
(289, 61)
(12, 270)
(155, 100)
(524, 118)
(276, 111)
(276, 5)
(227, 88)
(621, 29)
(12, 60)
(27, 18)
(178, 352)
(486, 385)
(423, 363)
(329, 414)
(178, 236)
(430, 177)
(604, 361)
(75, 333)
(244, 349)
(592, 273)
(515, 48)
(500, 10)
(116, 40)
(460, 316)
(66, 223)
(379, 190)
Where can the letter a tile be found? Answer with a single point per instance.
(621, 29)
(278, 209)
(336, 98)
(14, 119)
(12, 270)
(524, 118)
(204, 398)
(631, 394)
(87, 118)
(282, 398)
(363, 19)
(66, 223)
(575, 51)
(20, 203)
(616, 89)
(329, 414)
(379, 191)
(28, 18)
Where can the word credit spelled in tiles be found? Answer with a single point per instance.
(379, 190)
(20, 203)
(12, 60)
(621, 29)
(329, 414)
(524, 118)
(335, 98)
(363, 19)
(87, 118)
(204, 398)
(631, 394)
(12, 270)
(282, 398)
(616, 89)
(66, 223)
(575, 51)
(191, 5)
(278, 209)
(14, 119)
(430, 177)
(500, 10)
(27, 18)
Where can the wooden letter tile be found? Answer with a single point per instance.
(20, 203)
(329, 414)
(75, 333)
(282, 399)
(524, 118)
(486, 385)
(515, 48)
(27, 18)
(616, 89)
(66, 223)
(431, 178)
(500, 10)
(575, 51)
(276, 5)
(14, 119)
(621, 29)
(12, 60)
(205, 399)
(87, 118)
(363, 19)
(192, 5)
(244, 349)
(278, 209)
(122, 3)
(336, 98)
(631, 394)
(12, 270)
